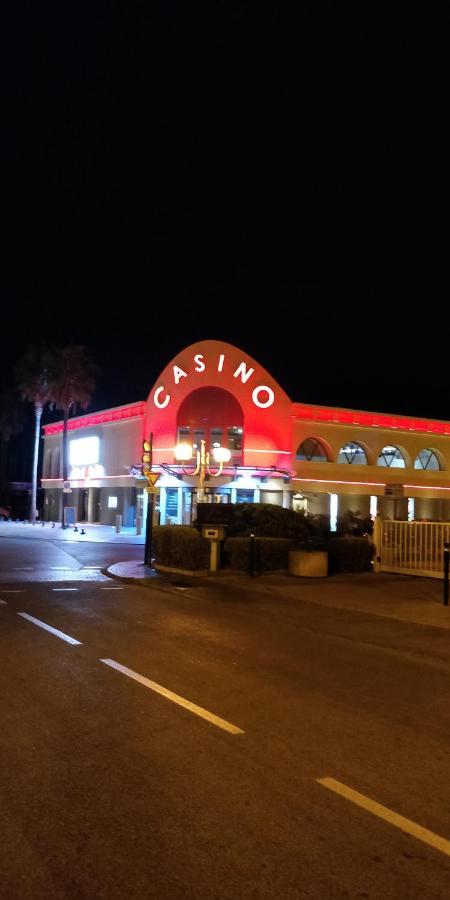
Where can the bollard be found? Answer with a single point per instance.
(446, 569)
(138, 524)
(252, 555)
(118, 524)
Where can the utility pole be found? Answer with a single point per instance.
(152, 478)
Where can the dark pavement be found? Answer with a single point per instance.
(111, 790)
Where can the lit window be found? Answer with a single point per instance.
(84, 451)
(392, 457)
(311, 450)
(427, 459)
(352, 453)
(235, 439)
(112, 502)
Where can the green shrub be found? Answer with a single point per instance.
(349, 554)
(270, 553)
(180, 546)
(267, 520)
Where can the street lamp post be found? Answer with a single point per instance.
(221, 455)
(152, 477)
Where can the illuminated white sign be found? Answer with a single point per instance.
(96, 471)
(84, 451)
(161, 397)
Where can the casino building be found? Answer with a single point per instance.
(257, 445)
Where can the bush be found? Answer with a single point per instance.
(353, 524)
(267, 520)
(270, 553)
(349, 554)
(180, 546)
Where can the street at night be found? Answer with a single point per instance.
(114, 786)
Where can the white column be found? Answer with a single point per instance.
(333, 511)
(233, 495)
(144, 508)
(162, 505)
(90, 510)
(286, 499)
(257, 495)
(180, 506)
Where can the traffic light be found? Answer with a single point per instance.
(147, 453)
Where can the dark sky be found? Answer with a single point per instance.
(273, 175)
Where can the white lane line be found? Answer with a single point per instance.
(65, 589)
(23, 569)
(112, 589)
(13, 592)
(3, 602)
(406, 825)
(55, 631)
(192, 707)
(61, 568)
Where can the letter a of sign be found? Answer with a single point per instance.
(178, 373)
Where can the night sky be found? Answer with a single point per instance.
(272, 175)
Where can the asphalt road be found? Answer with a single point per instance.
(112, 789)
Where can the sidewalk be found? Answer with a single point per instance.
(400, 597)
(93, 533)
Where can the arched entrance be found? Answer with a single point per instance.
(214, 415)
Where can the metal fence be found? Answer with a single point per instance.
(414, 548)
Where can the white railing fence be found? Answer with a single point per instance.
(411, 548)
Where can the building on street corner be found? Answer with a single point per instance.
(215, 409)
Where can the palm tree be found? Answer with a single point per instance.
(34, 374)
(73, 385)
(11, 422)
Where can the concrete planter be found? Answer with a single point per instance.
(308, 565)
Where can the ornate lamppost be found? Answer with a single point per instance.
(221, 455)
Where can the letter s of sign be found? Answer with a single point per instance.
(160, 404)
(198, 358)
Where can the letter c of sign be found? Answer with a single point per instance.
(157, 402)
(263, 404)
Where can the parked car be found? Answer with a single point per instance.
(4, 513)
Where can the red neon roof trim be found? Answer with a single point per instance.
(119, 414)
(368, 420)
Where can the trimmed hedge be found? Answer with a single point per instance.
(270, 553)
(267, 520)
(180, 546)
(349, 554)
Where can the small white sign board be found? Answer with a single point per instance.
(394, 491)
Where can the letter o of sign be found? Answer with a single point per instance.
(263, 404)
(160, 404)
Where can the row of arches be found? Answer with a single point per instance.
(314, 450)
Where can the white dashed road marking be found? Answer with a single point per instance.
(3, 602)
(55, 631)
(65, 589)
(175, 698)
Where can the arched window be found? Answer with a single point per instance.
(352, 453)
(391, 457)
(311, 450)
(427, 459)
(47, 473)
(55, 463)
